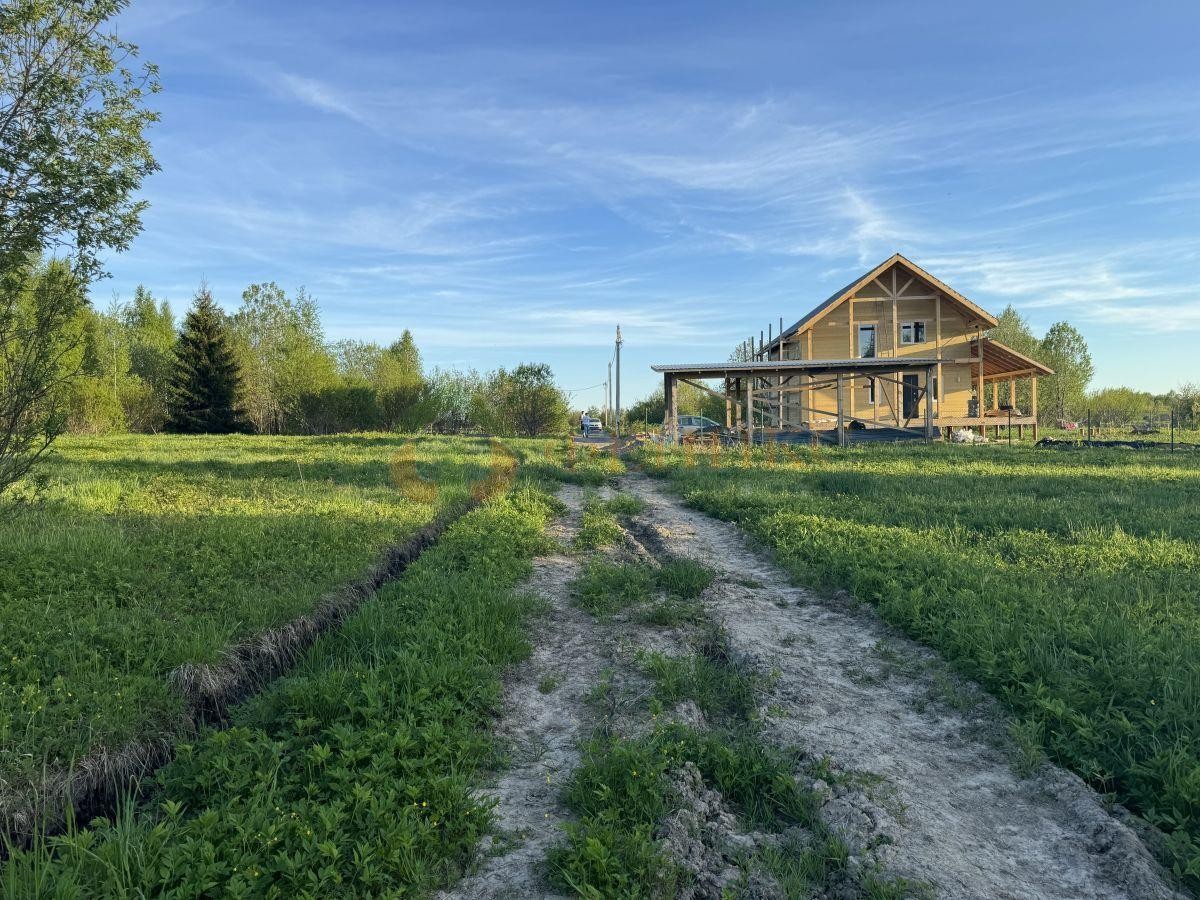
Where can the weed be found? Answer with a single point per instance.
(599, 527)
(547, 684)
(605, 588)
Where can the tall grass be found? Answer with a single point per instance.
(128, 556)
(1064, 583)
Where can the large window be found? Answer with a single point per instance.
(912, 333)
(866, 341)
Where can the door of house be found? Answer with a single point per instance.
(912, 396)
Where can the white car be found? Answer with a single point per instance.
(588, 425)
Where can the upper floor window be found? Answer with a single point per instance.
(912, 333)
(866, 341)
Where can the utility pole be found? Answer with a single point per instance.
(608, 416)
(617, 417)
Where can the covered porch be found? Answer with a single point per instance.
(776, 399)
(999, 367)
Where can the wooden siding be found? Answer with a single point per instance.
(896, 297)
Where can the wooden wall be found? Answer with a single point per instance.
(835, 337)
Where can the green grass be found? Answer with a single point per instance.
(1066, 584)
(622, 791)
(130, 555)
(605, 588)
(723, 690)
(355, 775)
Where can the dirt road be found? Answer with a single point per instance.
(925, 782)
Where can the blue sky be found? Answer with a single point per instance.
(510, 181)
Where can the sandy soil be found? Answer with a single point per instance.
(543, 731)
(929, 788)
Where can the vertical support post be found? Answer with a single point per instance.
(896, 349)
(979, 379)
(1033, 403)
(608, 389)
(617, 417)
(995, 395)
(941, 383)
(671, 415)
(749, 411)
(1012, 392)
(728, 407)
(929, 370)
(841, 413)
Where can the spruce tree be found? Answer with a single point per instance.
(205, 380)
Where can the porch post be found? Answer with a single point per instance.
(979, 380)
(841, 413)
(749, 411)
(1033, 403)
(929, 403)
(671, 414)
(728, 407)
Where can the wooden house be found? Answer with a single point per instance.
(895, 348)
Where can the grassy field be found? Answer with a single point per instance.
(355, 774)
(130, 555)
(1065, 583)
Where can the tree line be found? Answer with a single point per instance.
(267, 368)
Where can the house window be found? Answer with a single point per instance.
(912, 333)
(866, 341)
(870, 392)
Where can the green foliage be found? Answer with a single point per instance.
(72, 132)
(1065, 351)
(622, 791)
(206, 380)
(599, 527)
(722, 691)
(405, 398)
(525, 401)
(355, 774)
(605, 588)
(41, 352)
(144, 553)
(1069, 593)
(280, 348)
(692, 402)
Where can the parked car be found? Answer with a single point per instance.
(592, 426)
(699, 425)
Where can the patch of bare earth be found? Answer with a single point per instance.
(546, 715)
(925, 785)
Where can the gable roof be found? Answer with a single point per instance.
(841, 295)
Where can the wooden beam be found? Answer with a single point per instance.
(671, 414)
(929, 402)
(749, 411)
(728, 407)
(841, 414)
(937, 347)
(895, 345)
(1033, 402)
